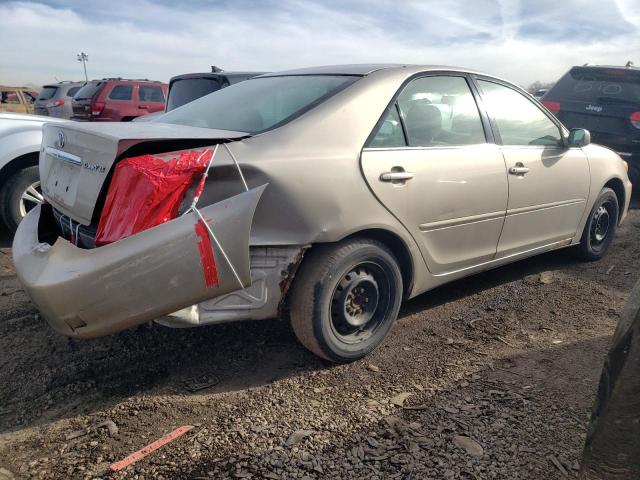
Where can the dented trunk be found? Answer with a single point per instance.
(168, 262)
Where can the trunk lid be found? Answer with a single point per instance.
(76, 158)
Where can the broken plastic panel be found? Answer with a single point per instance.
(147, 191)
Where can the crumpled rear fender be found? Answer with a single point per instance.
(89, 293)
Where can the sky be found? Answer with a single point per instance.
(519, 40)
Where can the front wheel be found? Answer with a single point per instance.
(601, 225)
(345, 298)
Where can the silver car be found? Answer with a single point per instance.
(333, 194)
(55, 100)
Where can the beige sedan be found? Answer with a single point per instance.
(333, 193)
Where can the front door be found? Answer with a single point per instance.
(430, 164)
(548, 183)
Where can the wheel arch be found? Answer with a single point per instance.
(399, 249)
(617, 186)
(25, 160)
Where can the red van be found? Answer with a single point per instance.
(118, 100)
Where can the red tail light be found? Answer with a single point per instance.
(55, 103)
(635, 119)
(553, 107)
(97, 108)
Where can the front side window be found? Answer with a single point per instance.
(121, 92)
(519, 120)
(9, 97)
(150, 93)
(258, 104)
(440, 111)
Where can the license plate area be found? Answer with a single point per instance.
(62, 182)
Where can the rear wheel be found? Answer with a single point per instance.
(601, 225)
(20, 194)
(345, 299)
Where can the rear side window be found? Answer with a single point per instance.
(121, 92)
(519, 120)
(440, 110)
(598, 85)
(389, 132)
(72, 91)
(29, 97)
(88, 91)
(47, 92)
(150, 93)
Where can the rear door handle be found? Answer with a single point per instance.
(518, 169)
(400, 176)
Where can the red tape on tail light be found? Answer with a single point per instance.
(206, 255)
(147, 191)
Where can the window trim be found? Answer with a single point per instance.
(475, 78)
(121, 99)
(484, 119)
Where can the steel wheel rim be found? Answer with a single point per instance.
(600, 225)
(360, 302)
(30, 198)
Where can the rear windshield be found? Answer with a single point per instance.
(47, 92)
(188, 89)
(88, 91)
(258, 104)
(601, 85)
(72, 91)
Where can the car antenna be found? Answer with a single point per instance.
(215, 69)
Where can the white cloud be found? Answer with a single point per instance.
(147, 39)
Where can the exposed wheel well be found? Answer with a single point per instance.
(399, 249)
(617, 186)
(18, 163)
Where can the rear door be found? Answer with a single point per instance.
(150, 98)
(548, 183)
(429, 162)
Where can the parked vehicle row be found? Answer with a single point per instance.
(330, 193)
(115, 99)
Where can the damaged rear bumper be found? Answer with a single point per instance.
(89, 293)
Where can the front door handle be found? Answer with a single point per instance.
(518, 169)
(396, 176)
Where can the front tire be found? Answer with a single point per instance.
(345, 298)
(20, 194)
(601, 226)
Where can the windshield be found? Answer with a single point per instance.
(258, 104)
(88, 91)
(601, 85)
(187, 90)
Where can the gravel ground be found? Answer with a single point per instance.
(489, 377)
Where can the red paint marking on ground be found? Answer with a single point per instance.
(206, 255)
(143, 452)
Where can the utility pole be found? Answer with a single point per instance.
(84, 58)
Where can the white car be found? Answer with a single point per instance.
(20, 140)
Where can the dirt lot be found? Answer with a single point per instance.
(490, 377)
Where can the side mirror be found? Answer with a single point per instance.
(578, 137)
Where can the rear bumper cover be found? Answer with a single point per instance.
(90, 293)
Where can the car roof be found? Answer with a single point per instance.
(608, 67)
(368, 68)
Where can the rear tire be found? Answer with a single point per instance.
(18, 196)
(345, 298)
(601, 226)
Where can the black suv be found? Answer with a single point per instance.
(188, 87)
(606, 101)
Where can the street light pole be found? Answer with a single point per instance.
(84, 58)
